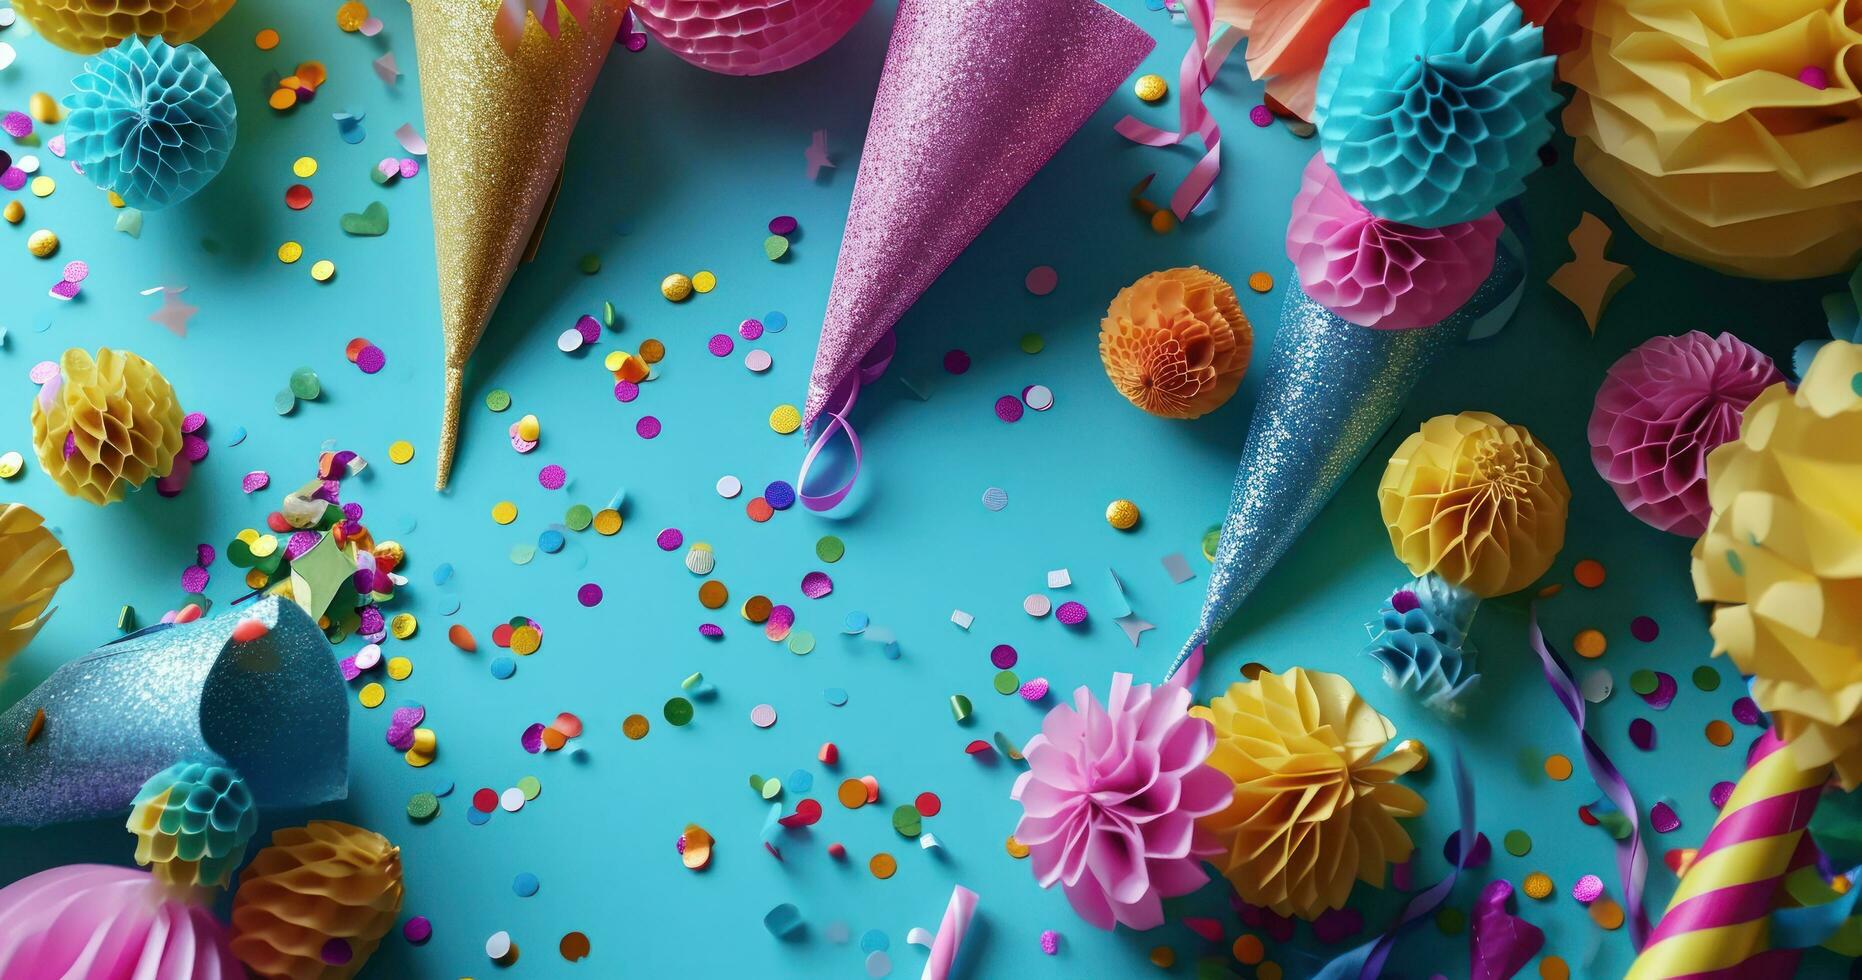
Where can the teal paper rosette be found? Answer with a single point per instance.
(1421, 639)
(1432, 112)
(151, 121)
(192, 822)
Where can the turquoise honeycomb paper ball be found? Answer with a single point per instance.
(1432, 112)
(1421, 639)
(151, 121)
(192, 822)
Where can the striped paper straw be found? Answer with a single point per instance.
(1718, 924)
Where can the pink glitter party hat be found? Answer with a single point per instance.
(974, 98)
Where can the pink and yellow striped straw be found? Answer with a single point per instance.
(1718, 924)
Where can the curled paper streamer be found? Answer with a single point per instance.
(1332, 389)
(944, 154)
(872, 368)
(271, 708)
(949, 941)
(1200, 65)
(99, 922)
(1632, 861)
(1718, 917)
(748, 37)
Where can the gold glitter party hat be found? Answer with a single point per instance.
(498, 121)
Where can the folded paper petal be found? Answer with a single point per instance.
(1477, 501)
(271, 708)
(1110, 802)
(1175, 343)
(1690, 116)
(1314, 808)
(33, 564)
(1378, 273)
(1287, 42)
(1783, 556)
(107, 923)
(1663, 407)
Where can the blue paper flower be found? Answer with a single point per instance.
(1433, 111)
(152, 122)
(1422, 641)
(192, 822)
(1845, 315)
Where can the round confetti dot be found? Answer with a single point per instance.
(1607, 914)
(1553, 967)
(1719, 733)
(1261, 282)
(851, 793)
(552, 477)
(266, 40)
(1007, 683)
(589, 595)
(720, 345)
(995, 498)
(297, 197)
(503, 668)
(1517, 843)
(635, 727)
(759, 510)
(1588, 889)
(290, 252)
(775, 247)
(704, 282)
(801, 643)
(1122, 514)
(780, 495)
(883, 865)
(1261, 116)
(1642, 733)
(1537, 885)
(758, 361)
(504, 512)
(648, 427)
(42, 243)
(1645, 629)
(578, 517)
(1589, 573)
(1643, 681)
(928, 804)
(1003, 656)
(830, 549)
(1071, 613)
(417, 930)
(11, 464)
(785, 419)
(763, 715)
(1589, 644)
(1038, 397)
(1041, 280)
(422, 806)
(1036, 605)
(608, 522)
(525, 640)
(1151, 88)
(713, 595)
(401, 451)
(676, 287)
(1558, 767)
(1706, 678)
(304, 166)
(322, 270)
(43, 186)
(525, 884)
(678, 711)
(956, 361)
(371, 695)
(400, 668)
(1249, 949)
(1009, 408)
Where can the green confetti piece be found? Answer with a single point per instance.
(830, 549)
(1007, 682)
(678, 711)
(775, 247)
(305, 384)
(607, 315)
(1031, 343)
(1706, 678)
(908, 821)
(771, 788)
(1211, 538)
(284, 402)
(801, 642)
(589, 264)
(422, 806)
(497, 399)
(531, 787)
(372, 222)
(1518, 843)
(1644, 681)
(579, 517)
(960, 707)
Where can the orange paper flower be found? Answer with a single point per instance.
(1175, 343)
(1287, 42)
(1314, 810)
(1476, 501)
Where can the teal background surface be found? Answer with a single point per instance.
(676, 170)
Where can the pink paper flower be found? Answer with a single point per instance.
(1111, 798)
(1378, 273)
(1663, 407)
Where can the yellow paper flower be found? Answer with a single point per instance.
(107, 425)
(1476, 501)
(1175, 343)
(89, 26)
(1314, 809)
(1783, 553)
(317, 902)
(32, 567)
(1728, 132)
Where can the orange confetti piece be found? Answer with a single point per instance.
(1249, 949)
(1719, 733)
(1588, 572)
(1589, 644)
(697, 851)
(852, 794)
(1558, 767)
(1554, 968)
(36, 726)
(266, 39)
(883, 865)
(462, 638)
(1607, 913)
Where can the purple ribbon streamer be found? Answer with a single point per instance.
(1632, 860)
(872, 366)
(1367, 961)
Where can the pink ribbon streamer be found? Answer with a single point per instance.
(950, 934)
(1632, 860)
(872, 366)
(1200, 65)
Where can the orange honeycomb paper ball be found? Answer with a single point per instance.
(327, 884)
(89, 26)
(1175, 343)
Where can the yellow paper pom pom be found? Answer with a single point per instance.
(89, 26)
(109, 425)
(1476, 501)
(1783, 553)
(32, 567)
(1314, 808)
(1725, 131)
(315, 886)
(1175, 343)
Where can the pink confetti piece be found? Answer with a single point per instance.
(64, 290)
(194, 448)
(648, 427)
(751, 329)
(1071, 613)
(348, 666)
(1588, 889)
(720, 345)
(410, 168)
(1664, 693)
(204, 555)
(626, 391)
(670, 539)
(410, 140)
(1663, 818)
(194, 580)
(77, 270)
(193, 422)
(255, 481)
(16, 124)
(710, 630)
(1034, 690)
(1009, 408)
(589, 328)
(371, 359)
(1041, 280)
(57, 145)
(956, 361)
(1642, 734)
(371, 27)
(532, 739)
(816, 585)
(42, 372)
(552, 477)
(1746, 712)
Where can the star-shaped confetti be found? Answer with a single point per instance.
(1589, 280)
(175, 312)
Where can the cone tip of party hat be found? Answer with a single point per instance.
(449, 426)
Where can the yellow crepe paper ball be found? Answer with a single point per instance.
(1695, 118)
(1175, 343)
(1315, 809)
(89, 26)
(1476, 501)
(32, 567)
(112, 423)
(326, 880)
(1122, 514)
(1783, 556)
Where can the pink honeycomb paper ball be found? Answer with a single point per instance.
(748, 37)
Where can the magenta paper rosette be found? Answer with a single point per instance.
(1378, 273)
(748, 37)
(1662, 408)
(107, 923)
(1111, 797)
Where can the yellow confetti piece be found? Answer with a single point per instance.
(371, 695)
(400, 668)
(43, 186)
(256, 579)
(44, 108)
(42, 243)
(15, 212)
(323, 270)
(10, 465)
(608, 521)
(704, 282)
(785, 419)
(304, 166)
(1016, 849)
(676, 287)
(403, 625)
(1122, 514)
(1537, 885)
(290, 252)
(504, 512)
(529, 429)
(400, 451)
(525, 640)
(417, 760)
(1151, 88)
(351, 16)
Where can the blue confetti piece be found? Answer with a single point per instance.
(503, 667)
(775, 321)
(836, 696)
(476, 817)
(874, 941)
(525, 884)
(551, 541)
(855, 623)
(801, 781)
(443, 788)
